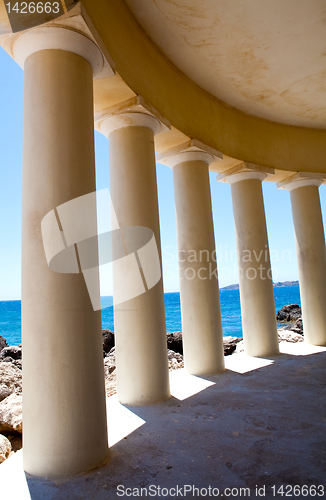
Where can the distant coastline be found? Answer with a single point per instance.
(284, 294)
(278, 284)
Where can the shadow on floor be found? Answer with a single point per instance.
(259, 428)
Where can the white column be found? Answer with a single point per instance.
(199, 293)
(255, 277)
(64, 415)
(310, 245)
(139, 323)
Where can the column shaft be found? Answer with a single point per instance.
(310, 244)
(199, 293)
(140, 331)
(64, 415)
(256, 286)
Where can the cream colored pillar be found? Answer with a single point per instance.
(139, 323)
(64, 415)
(199, 292)
(255, 277)
(310, 245)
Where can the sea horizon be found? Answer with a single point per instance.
(10, 311)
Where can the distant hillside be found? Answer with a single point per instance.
(286, 283)
(278, 284)
(231, 287)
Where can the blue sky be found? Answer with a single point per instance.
(277, 204)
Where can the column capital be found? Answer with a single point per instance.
(302, 179)
(135, 112)
(245, 171)
(60, 38)
(191, 150)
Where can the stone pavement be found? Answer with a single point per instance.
(262, 423)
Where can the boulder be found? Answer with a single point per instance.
(284, 335)
(174, 342)
(175, 355)
(108, 340)
(297, 327)
(111, 354)
(16, 362)
(3, 343)
(230, 344)
(109, 362)
(110, 373)
(289, 313)
(288, 336)
(11, 414)
(16, 441)
(13, 351)
(175, 360)
(10, 380)
(5, 448)
(239, 347)
(111, 383)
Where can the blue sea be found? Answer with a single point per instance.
(10, 313)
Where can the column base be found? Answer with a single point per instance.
(65, 472)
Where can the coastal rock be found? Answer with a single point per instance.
(111, 355)
(174, 341)
(110, 373)
(175, 360)
(13, 351)
(4, 392)
(239, 347)
(10, 380)
(289, 313)
(108, 340)
(284, 335)
(230, 344)
(3, 343)
(109, 362)
(111, 383)
(16, 362)
(16, 441)
(11, 414)
(289, 336)
(297, 327)
(5, 448)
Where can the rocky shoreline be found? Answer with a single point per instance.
(11, 371)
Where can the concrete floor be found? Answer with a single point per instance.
(261, 423)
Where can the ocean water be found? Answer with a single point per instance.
(10, 312)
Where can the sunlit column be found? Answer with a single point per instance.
(139, 321)
(199, 293)
(255, 277)
(64, 415)
(310, 245)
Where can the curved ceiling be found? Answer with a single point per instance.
(266, 58)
